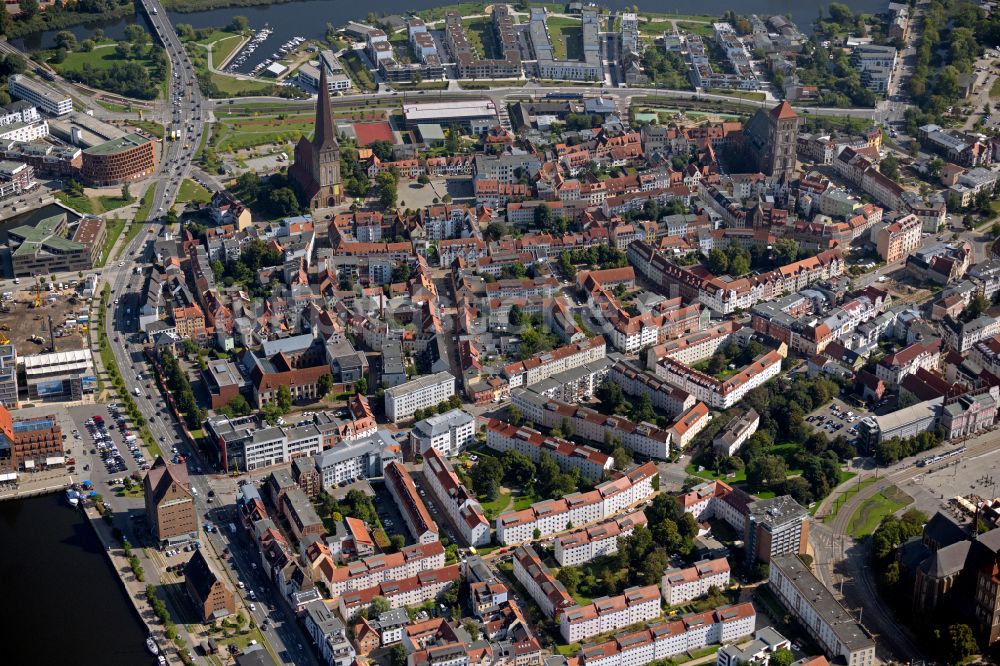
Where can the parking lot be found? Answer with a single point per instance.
(105, 438)
(836, 419)
(933, 490)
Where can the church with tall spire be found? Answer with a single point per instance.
(316, 169)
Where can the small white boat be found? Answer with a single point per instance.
(151, 646)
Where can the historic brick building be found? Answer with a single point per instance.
(316, 170)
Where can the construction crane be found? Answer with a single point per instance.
(38, 296)
(4, 340)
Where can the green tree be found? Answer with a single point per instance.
(472, 628)
(518, 469)
(570, 578)
(66, 40)
(239, 406)
(961, 642)
(29, 8)
(397, 655)
(284, 399)
(622, 456)
(379, 605)
(786, 251)
(782, 658)
(718, 262)
(515, 316)
(239, 24)
(739, 265)
(324, 384)
(361, 386)
(486, 475)
(889, 166)
(387, 183)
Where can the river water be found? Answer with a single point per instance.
(63, 602)
(308, 18)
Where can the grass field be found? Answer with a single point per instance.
(115, 226)
(358, 72)
(995, 90)
(154, 128)
(742, 94)
(191, 191)
(93, 205)
(703, 29)
(223, 48)
(567, 37)
(867, 517)
(480, 34)
(102, 57)
(229, 85)
(111, 106)
(236, 132)
(711, 475)
(853, 490)
(497, 506)
(463, 8)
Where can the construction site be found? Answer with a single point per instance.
(35, 316)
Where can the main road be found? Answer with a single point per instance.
(187, 113)
(843, 564)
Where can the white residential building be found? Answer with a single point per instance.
(541, 585)
(595, 541)
(682, 585)
(636, 604)
(546, 364)
(351, 460)
(558, 515)
(461, 506)
(591, 463)
(448, 433)
(46, 98)
(421, 393)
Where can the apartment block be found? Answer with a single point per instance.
(643, 438)
(461, 505)
(401, 592)
(421, 393)
(448, 433)
(776, 526)
(896, 240)
(351, 460)
(558, 515)
(372, 571)
(721, 394)
(830, 624)
(544, 365)
(548, 593)
(591, 463)
(683, 585)
(418, 519)
(595, 541)
(46, 98)
(636, 604)
(688, 633)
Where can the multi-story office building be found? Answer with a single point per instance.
(28, 444)
(46, 98)
(448, 433)
(170, 508)
(118, 161)
(636, 604)
(776, 526)
(682, 585)
(591, 463)
(8, 376)
(418, 519)
(830, 624)
(758, 652)
(558, 515)
(421, 393)
(47, 247)
(461, 505)
(595, 541)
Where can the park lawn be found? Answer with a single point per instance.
(995, 90)
(742, 94)
(567, 37)
(150, 127)
(191, 191)
(247, 132)
(703, 29)
(101, 57)
(497, 506)
(522, 502)
(867, 517)
(111, 106)
(231, 86)
(112, 203)
(786, 451)
(478, 31)
(223, 48)
(358, 71)
(568, 650)
(463, 9)
(711, 475)
(81, 204)
(115, 226)
(142, 215)
(839, 501)
(656, 28)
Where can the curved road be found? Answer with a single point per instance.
(843, 564)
